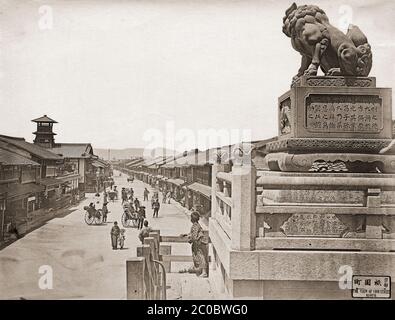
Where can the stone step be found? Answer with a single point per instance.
(192, 287)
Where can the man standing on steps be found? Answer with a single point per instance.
(199, 246)
(144, 233)
(140, 217)
(115, 231)
(156, 207)
(146, 193)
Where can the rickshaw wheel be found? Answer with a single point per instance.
(99, 217)
(125, 221)
(89, 220)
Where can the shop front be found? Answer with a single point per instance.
(199, 199)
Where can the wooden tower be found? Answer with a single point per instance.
(44, 134)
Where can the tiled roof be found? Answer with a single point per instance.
(167, 159)
(73, 150)
(98, 164)
(10, 158)
(201, 188)
(103, 162)
(153, 161)
(44, 118)
(177, 182)
(34, 149)
(134, 162)
(198, 159)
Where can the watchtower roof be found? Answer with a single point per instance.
(44, 118)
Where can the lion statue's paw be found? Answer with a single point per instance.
(334, 72)
(311, 71)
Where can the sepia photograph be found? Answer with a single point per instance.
(205, 150)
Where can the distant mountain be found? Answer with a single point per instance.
(128, 153)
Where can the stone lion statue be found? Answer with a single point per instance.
(323, 45)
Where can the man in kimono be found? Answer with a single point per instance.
(199, 246)
(115, 231)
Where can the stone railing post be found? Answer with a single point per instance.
(165, 250)
(216, 167)
(135, 268)
(243, 210)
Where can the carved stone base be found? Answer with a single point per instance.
(335, 81)
(331, 162)
(328, 145)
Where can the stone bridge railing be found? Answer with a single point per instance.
(321, 211)
(259, 210)
(233, 204)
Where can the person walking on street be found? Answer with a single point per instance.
(136, 204)
(164, 196)
(144, 233)
(115, 231)
(146, 193)
(168, 196)
(156, 207)
(105, 212)
(116, 192)
(140, 217)
(131, 192)
(124, 195)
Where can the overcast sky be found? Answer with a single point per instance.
(114, 72)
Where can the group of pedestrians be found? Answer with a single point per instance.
(166, 196)
(196, 237)
(134, 207)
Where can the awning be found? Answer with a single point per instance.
(17, 190)
(201, 188)
(49, 182)
(177, 182)
(98, 164)
(53, 182)
(69, 177)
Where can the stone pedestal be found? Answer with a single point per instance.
(326, 204)
(333, 124)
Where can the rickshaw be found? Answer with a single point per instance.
(129, 217)
(95, 217)
(113, 195)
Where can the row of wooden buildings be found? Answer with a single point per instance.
(44, 175)
(188, 175)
